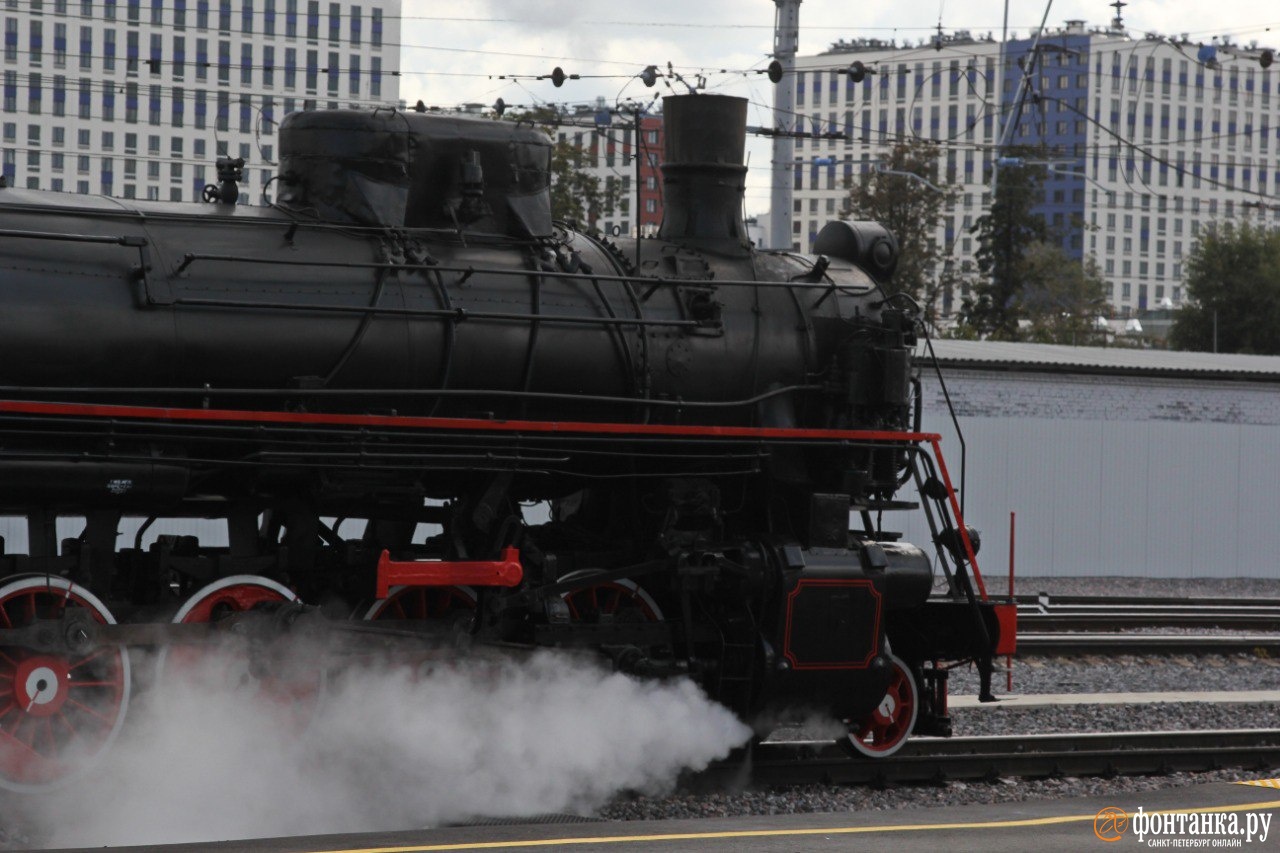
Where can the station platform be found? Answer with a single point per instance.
(1042, 825)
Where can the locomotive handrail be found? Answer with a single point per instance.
(129, 242)
(208, 391)
(191, 257)
(75, 238)
(455, 314)
(951, 410)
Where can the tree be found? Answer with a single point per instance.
(910, 207)
(577, 195)
(1005, 233)
(1061, 296)
(1234, 293)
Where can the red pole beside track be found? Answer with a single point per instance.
(1013, 520)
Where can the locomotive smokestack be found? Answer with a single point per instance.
(703, 176)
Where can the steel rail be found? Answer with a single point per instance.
(1054, 602)
(1120, 619)
(961, 758)
(1067, 644)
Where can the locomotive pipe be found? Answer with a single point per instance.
(703, 175)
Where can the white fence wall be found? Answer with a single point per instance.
(1114, 476)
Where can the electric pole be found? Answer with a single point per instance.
(786, 41)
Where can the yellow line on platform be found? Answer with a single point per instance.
(778, 833)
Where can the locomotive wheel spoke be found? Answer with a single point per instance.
(610, 598)
(89, 658)
(36, 753)
(8, 739)
(423, 602)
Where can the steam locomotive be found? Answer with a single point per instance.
(411, 396)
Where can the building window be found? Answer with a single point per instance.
(246, 17)
(224, 62)
(269, 18)
(375, 77)
(202, 59)
(291, 19)
(86, 48)
(224, 111)
(335, 23)
(313, 19)
(355, 24)
(179, 57)
(313, 71)
(375, 36)
(202, 109)
(179, 14)
(35, 40)
(353, 74)
(268, 66)
(246, 64)
(108, 50)
(333, 71)
(59, 45)
(224, 16)
(131, 52)
(290, 68)
(131, 103)
(202, 14)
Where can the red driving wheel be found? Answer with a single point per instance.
(58, 713)
(296, 689)
(883, 732)
(619, 600)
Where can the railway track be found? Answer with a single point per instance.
(1050, 626)
(969, 758)
(1045, 614)
(1063, 644)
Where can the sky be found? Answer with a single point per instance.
(455, 53)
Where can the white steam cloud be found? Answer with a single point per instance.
(390, 747)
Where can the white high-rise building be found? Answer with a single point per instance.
(1147, 140)
(137, 98)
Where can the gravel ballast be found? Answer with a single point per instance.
(830, 798)
(1127, 674)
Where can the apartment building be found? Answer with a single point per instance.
(1146, 140)
(137, 98)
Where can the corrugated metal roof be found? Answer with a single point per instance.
(1001, 355)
